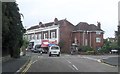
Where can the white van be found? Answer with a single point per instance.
(33, 43)
(54, 50)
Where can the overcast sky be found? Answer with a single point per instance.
(75, 11)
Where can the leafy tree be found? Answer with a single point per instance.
(12, 29)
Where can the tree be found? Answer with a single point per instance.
(12, 29)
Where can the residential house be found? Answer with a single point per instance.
(88, 35)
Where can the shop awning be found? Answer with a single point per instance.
(44, 44)
(51, 44)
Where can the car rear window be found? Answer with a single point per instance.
(55, 48)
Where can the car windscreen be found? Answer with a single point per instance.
(54, 48)
(31, 44)
(37, 46)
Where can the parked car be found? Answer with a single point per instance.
(54, 50)
(114, 51)
(45, 50)
(38, 49)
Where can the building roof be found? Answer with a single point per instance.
(61, 22)
(84, 26)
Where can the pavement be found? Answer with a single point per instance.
(112, 61)
(14, 65)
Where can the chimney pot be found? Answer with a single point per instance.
(99, 25)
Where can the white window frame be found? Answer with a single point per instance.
(98, 40)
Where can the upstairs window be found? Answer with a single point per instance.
(39, 36)
(52, 34)
(98, 40)
(45, 36)
(35, 36)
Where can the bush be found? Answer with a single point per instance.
(90, 52)
(103, 50)
(16, 53)
(25, 43)
(85, 48)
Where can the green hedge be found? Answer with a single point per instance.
(85, 48)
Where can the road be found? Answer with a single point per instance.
(67, 63)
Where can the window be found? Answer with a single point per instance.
(39, 36)
(98, 32)
(45, 36)
(35, 36)
(98, 40)
(30, 37)
(52, 34)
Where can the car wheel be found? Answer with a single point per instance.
(49, 54)
(58, 55)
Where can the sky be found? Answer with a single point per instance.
(75, 11)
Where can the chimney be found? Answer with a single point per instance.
(55, 21)
(99, 25)
(40, 23)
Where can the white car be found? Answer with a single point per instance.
(54, 50)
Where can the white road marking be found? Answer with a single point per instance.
(34, 61)
(75, 67)
(71, 67)
(99, 60)
(40, 56)
(69, 62)
(67, 55)
(91, 58)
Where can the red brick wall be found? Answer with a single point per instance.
(94, 44)
(66, 35)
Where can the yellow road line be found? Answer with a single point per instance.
(27, 67)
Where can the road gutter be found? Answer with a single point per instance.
(101, 61)
(108, 64)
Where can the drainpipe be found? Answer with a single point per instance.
(49, 35)
(83, 37)
(90, 38)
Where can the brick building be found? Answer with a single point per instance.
(62, 31)
(88, 35)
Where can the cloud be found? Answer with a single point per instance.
(91, 11)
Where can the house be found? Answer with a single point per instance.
(86, 34)
(62, 32)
